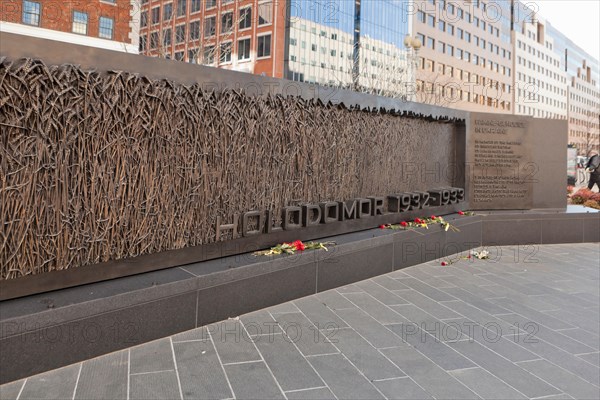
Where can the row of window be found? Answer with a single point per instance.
(464, 55)
(466, 36)
(464, 76)
(449, 93)
(225, 49)
(539, 69)
(531, 94)
(587, 122)
(531, 50)
(537, 112)
(430, 20)
(264, 17)
(32, 11)
(541, 84)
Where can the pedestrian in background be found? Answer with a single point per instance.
(593, 167)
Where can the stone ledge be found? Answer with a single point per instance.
(70, 325)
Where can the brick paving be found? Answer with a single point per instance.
(524, 324)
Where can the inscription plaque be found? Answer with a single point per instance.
(500, 168)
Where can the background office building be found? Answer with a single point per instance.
(540, 82)
(466, 58)
(108, 24)
(350, 44)
(583, 92)
(242, 35)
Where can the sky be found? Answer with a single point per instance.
(579, 20)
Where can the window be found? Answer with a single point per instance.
(245, 18)
(155, 15)
(430, 43)
(209, 55)
(450, 29)
(441, 47)
(468, 37)
(154, 40)
(293, 42)
(265, 13)
(193, 56)
(264, 46)
(179, 56)
(421, 16)
(194, 30)
(226, 22)
(442, 25)
(210, 26)
(225, 56)
(244, 49)
(106, 26)
(181, 6)
(80, 22)
(167, 37)
(211, 3)
(421, 38)
(313, 47)
(144, 19)
(180, 34)
(31, 13)
(195, 6)
(459, 33)
(167, 11)
(143, 44)
(431, 21)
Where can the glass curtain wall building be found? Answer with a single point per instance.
(354, 44)
(583, 92)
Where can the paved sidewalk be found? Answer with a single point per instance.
(524, 324)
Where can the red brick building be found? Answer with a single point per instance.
(243, 35)
(77, 21)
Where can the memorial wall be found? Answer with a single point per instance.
(138, 164)
(107, 166)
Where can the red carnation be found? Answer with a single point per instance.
(461, 213)
(299, 245)
(404, 224)
(433, 217)
(382, 226)
(418, 220)
(444, 263)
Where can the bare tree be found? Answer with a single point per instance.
(592, 131)
(202, 39)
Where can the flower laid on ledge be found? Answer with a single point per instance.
(466, 213)
(292, 248)
(421, 223)
(480, 255)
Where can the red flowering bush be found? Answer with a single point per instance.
(592, 204)
(581, 196)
